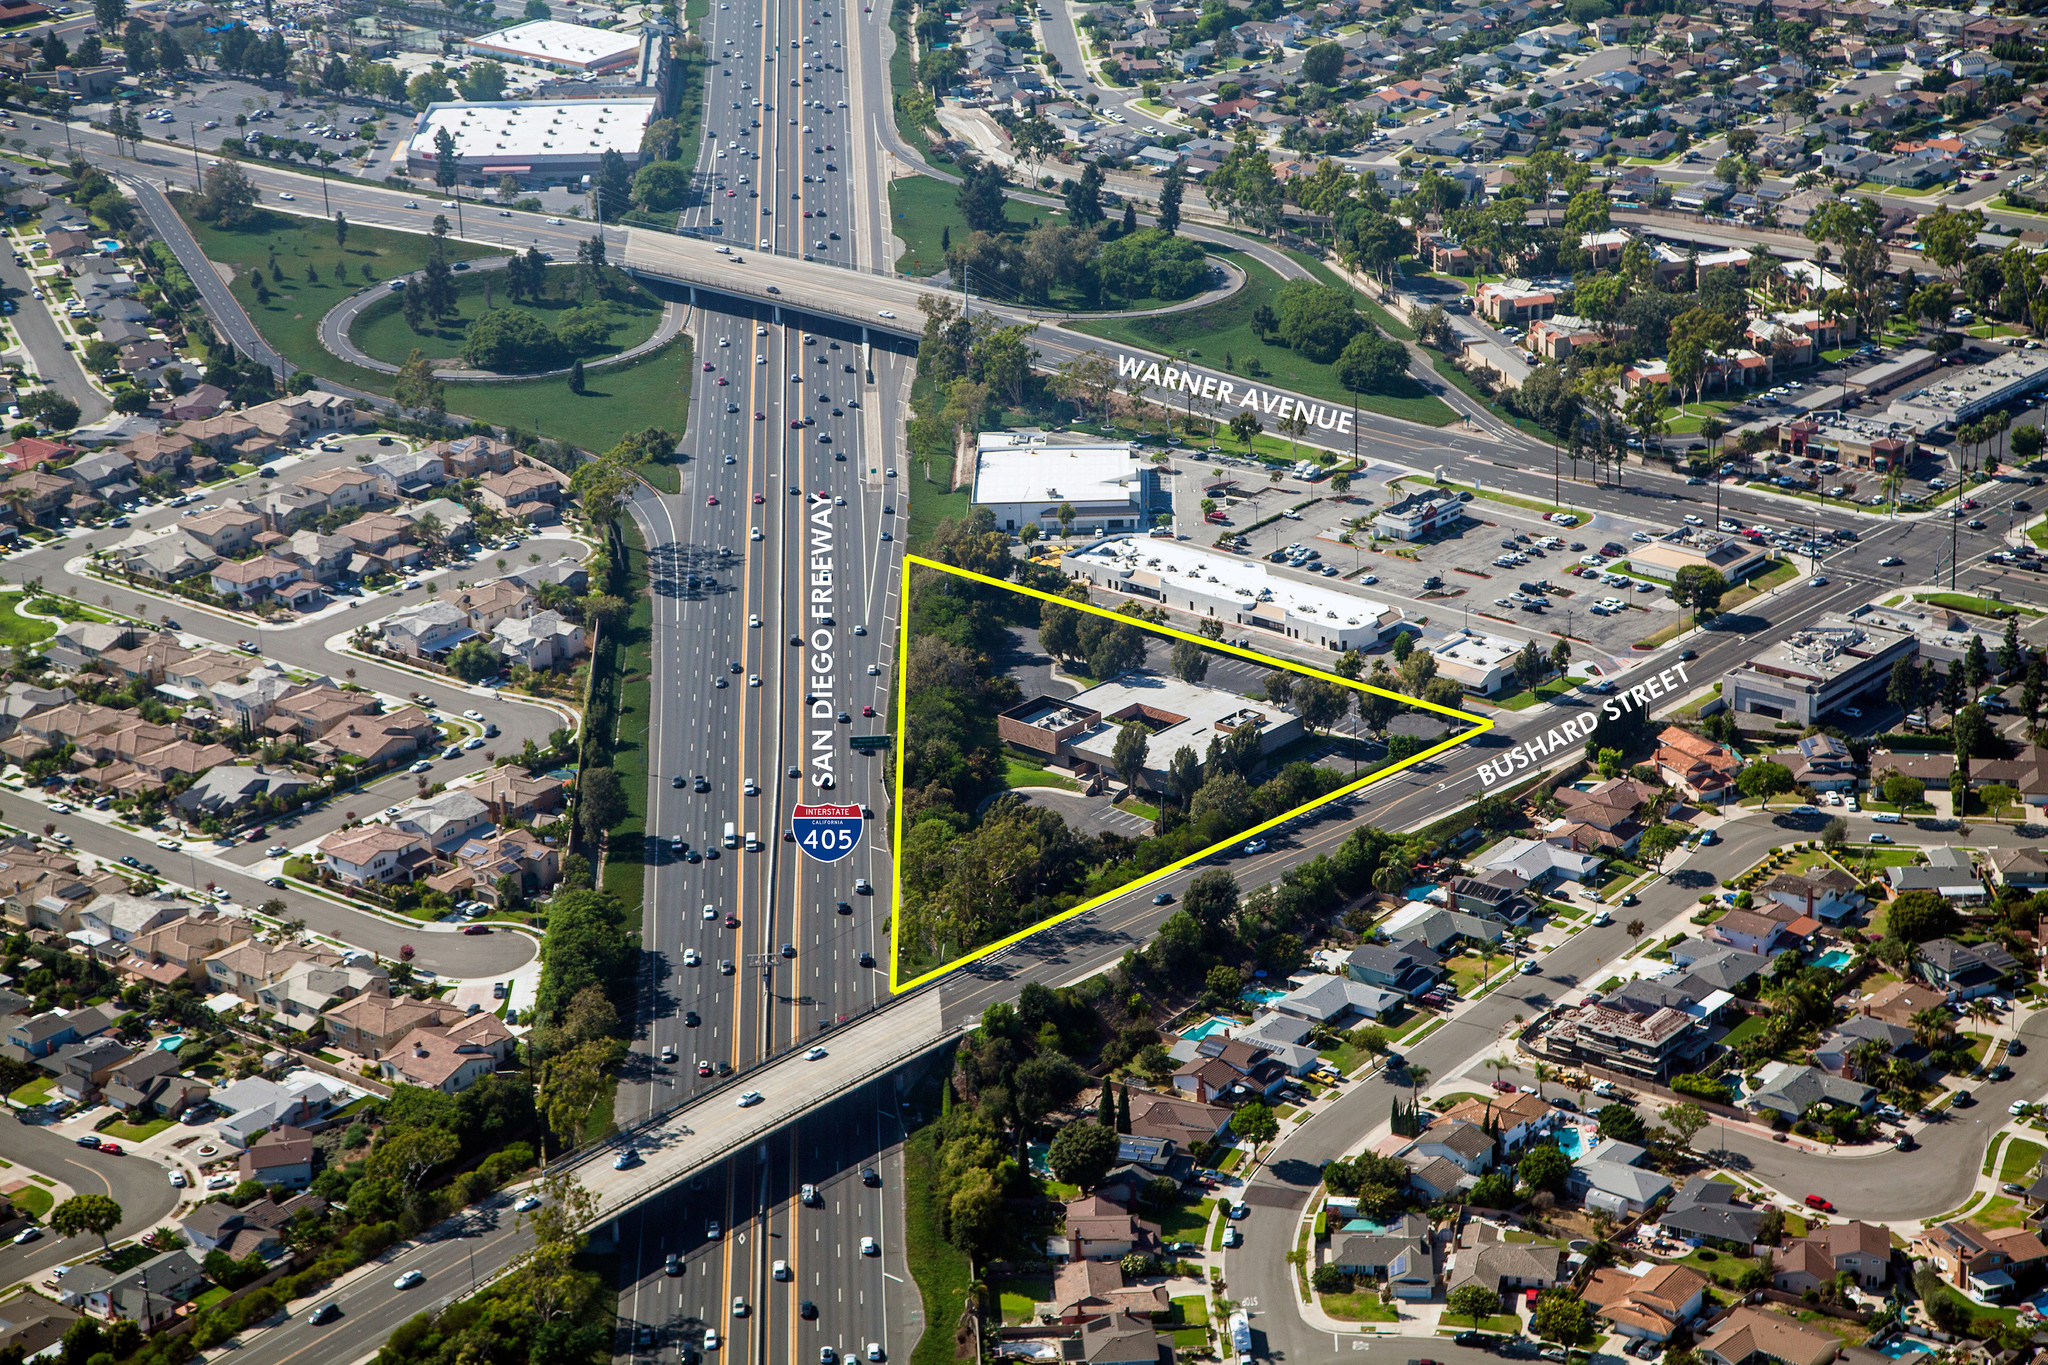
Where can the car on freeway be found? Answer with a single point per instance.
(408, 1280)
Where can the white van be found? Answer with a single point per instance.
(753, 842)
(732, 836)
(1889, 817)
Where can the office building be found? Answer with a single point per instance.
(552, 142)
(1025, 478)
(1234, 590)
(1814, 671)
(557, 46)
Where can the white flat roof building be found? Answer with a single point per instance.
(1025, 477)
(536, 143)
(1233, 590)
(564, 47)
(1476, 661)
(1957, 396)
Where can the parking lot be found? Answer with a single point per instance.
(1508, 571)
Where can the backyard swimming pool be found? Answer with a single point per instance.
(1575, 1141)
(171, 1044)
(1899, 1347)
(1834, 959)
(1260, 995)
(1204, 1029)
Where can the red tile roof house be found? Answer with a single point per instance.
(1700, 768)
(30, 451)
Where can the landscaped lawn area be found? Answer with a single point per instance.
(36, 1203)
(1223, 330)
(1186, 1222)
(35, 1091)
(1019, 773)
(1523, 700)
(1019, 1293)
(1189, 1322)
(1362, 1306)
(2002, 1212)
(922, 210)
(1979, 606)
(2019, 1159)
(651, 392)
(942, 1272)
(1744, 1031)
(380, 328)
(1851, 1333)
(1721, 1269)
(1507, 1324)
(1469, 972)
(291, 320)
(16, 629)
(132, 1132)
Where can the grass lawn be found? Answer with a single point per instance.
(942, 1271)
(2002, 1212)
(1019, 1293)
(1975, 1312)
(132, 1132)
(1193, 1309)
(1980, 1043)
(211, 1297)
(34, 1202)
(1722, 1269)
(1522, 701)
(291, 320)
(629, 662)
(1224, 330)
(931, 504)
(923, 210)
(1186, 1222)
(927, 216)
(1470, 974)
(380, 328)
(1137, 807)
(1363, 1306)
(1744, 1031)
(1979, 606)
(1018, 773)
(16, 629)
(1851, 1333)
(2020, 1159)
(651, 392)
(1507, 1324)
(1495, 495)
(36, 1091)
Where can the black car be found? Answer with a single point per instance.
(725, 1068)
(690, 1019)
(1688, 654)
(867, 959)
(702, 784)
(870, 1176)
(845, 909)
(676, 781)
(1163, 898)
(807, 1309)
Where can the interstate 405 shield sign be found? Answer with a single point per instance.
(826, 833)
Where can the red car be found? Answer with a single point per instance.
(476, 928)
(1814, 1201)
(703, 1068)
(1505, 1087)
(759, 499)
(707, 367)
(867, 711)
(732, 921)
(111, 1149)
(721, 381)
(711, 500)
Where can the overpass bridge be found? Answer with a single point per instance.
(767, 280)
(708, 1128)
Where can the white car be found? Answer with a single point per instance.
(527, 1204)
(690, 957)
(288, 198)
(1529, 969)
(815, 1054)
(887, 314)
(172, 844)
(178, 1180)
(749, 1098)
(754, 618)
(870, 1247)
(408, 1280)
(711, 1333)
(554, 222)
(473, 715)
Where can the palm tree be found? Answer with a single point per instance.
(1930, 1027)
(1544, 1072)
(1418, 1076)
